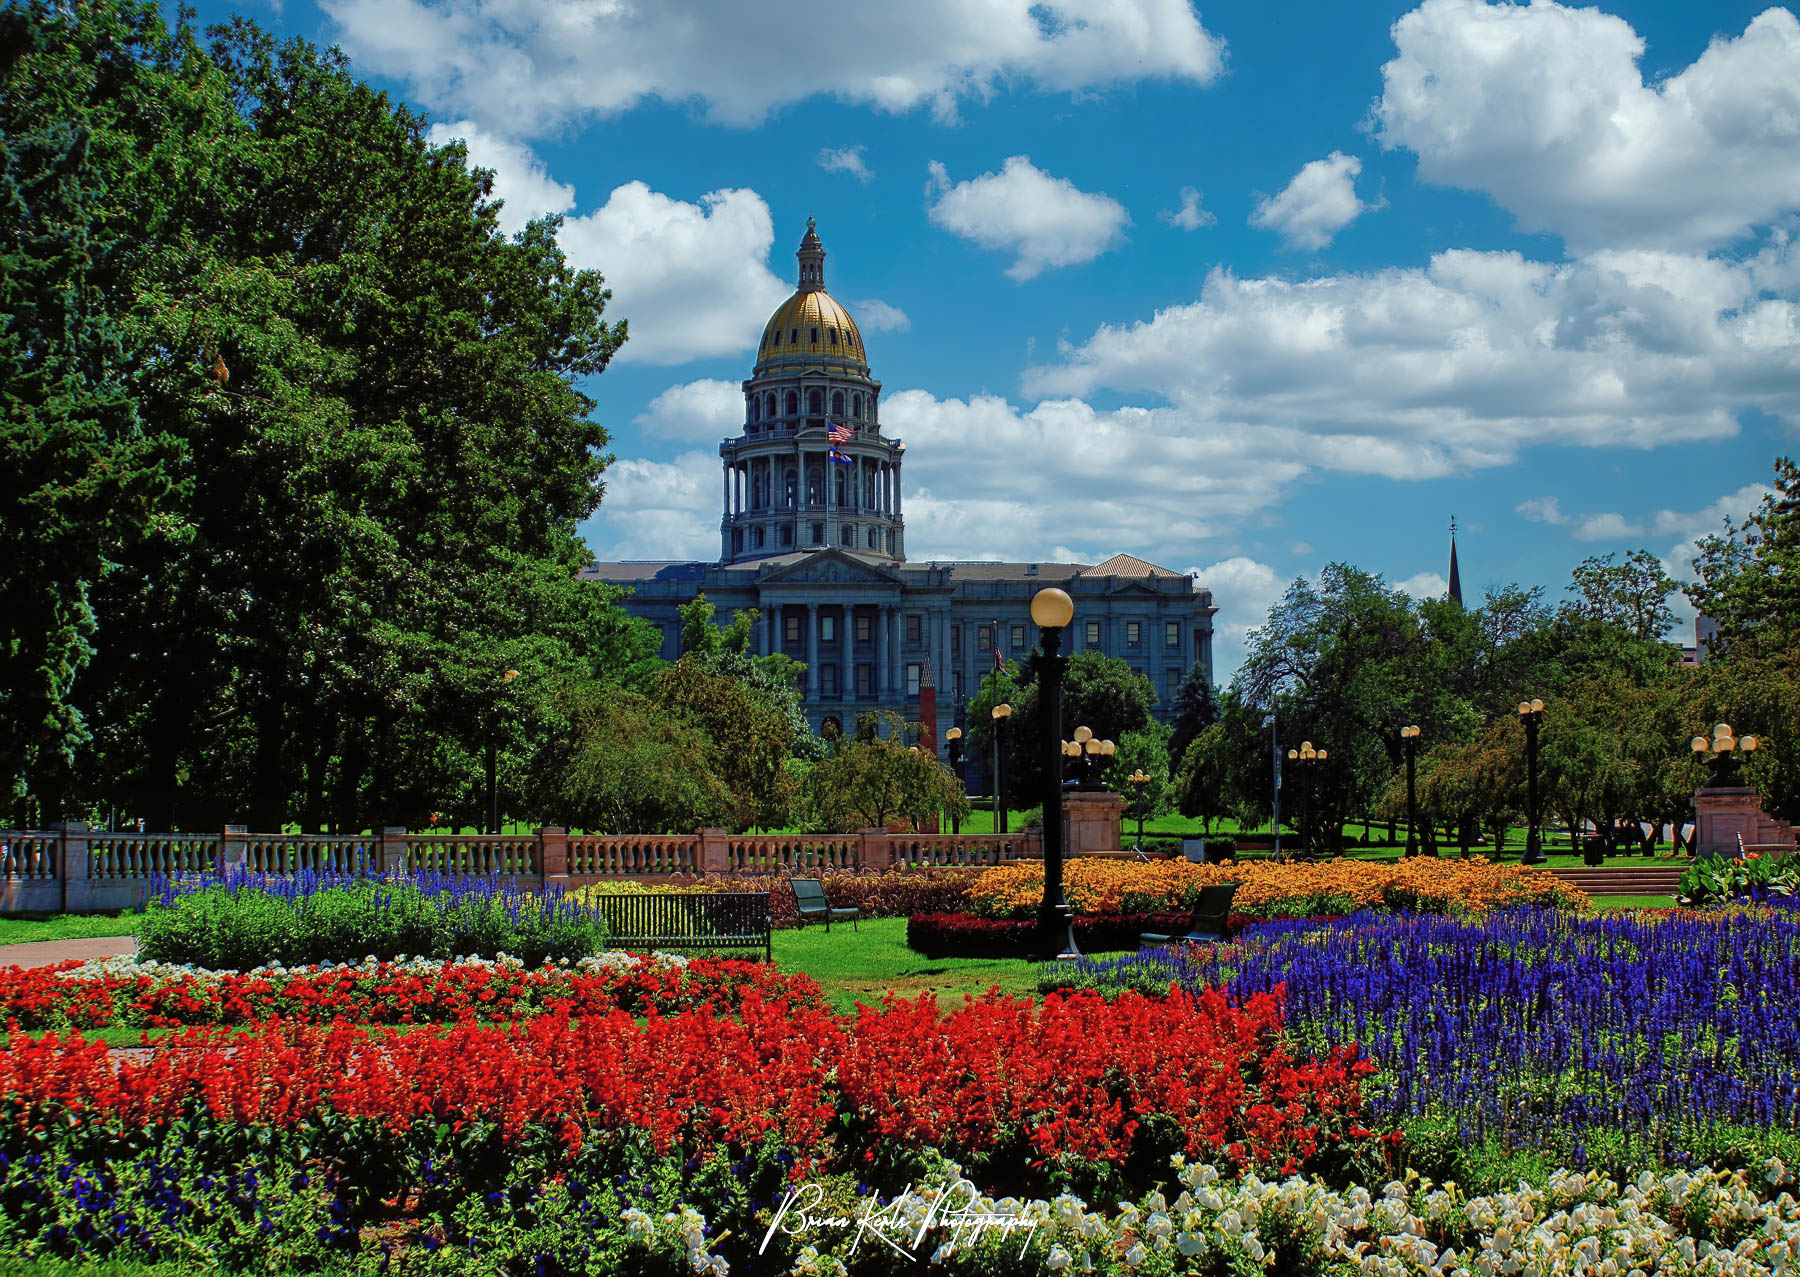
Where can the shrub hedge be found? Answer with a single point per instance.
(879, 894)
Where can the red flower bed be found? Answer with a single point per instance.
(386, 993)
(1076, 1078)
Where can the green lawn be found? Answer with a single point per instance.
(26, 927)
(861, 965)
(1634, 902)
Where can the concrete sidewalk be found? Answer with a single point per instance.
(42, 953)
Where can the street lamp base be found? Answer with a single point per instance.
(1056, 935)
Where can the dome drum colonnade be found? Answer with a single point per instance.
(783, 489)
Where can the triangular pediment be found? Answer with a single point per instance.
(1135, 587)
(828, 567)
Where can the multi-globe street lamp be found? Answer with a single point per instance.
(493, 755)
(1531, 713)
(1137, 780)
(1051, 611)
(1090, 753)
(953, 741)
(1409, 741)
(1000, 713)
(1307, 759)
(1724, 747)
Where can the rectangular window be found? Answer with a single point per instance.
(1018, 637)
(828, 629)
(793, 627)
(1172, 635)
(1172, 681)
(984, 638)
(915, 628)
(1093, 634)
(818, 530)
(828, 680)
(865, 679)
(956, 678)
(1134, 634)
(787, 536)
(862, 629)
(759, 538)
(912, 680)
(956, 640)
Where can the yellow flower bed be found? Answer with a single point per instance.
(1266, 889)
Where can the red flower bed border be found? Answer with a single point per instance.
(39, 997)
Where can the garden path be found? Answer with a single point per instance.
(41, 953)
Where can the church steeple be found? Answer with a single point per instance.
(1455, 575)
(812, 260)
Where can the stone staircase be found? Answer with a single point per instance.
(1648, 880)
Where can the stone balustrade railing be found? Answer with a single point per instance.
(73, 868)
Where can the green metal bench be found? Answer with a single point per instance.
(1211, 910)
(713, 920)
(815, 906)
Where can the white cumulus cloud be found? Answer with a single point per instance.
(876, 316)
(701, 411)
(1319, 202)
(846, 159)
(659, 510)
(1424, 585)
(529, 68)
(692, 279)
(1541, 510)
(1046, 221)
(1545, 108)
(1190, 216)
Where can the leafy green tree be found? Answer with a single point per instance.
(1196, 709)
(1200, 786)
(1146, 747)
(1749, 575)
(870, 781)
(754, 739)
(1632, 596)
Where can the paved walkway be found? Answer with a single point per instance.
(41, 953)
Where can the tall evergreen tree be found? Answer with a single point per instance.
(1196, 709)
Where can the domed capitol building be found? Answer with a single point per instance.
(814, 537)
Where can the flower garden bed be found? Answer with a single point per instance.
(1607, 1040)
(127, 993)
(1423, 884)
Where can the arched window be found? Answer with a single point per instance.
(874, 537)
(815, 487)
(814, 339)
(815, 403)
(778, 339)
(831, 333)
(759, 491)
(753, 408)
(791, 484)
(837, 403)
(856, 406)
(769, 404)
(848, 536)
(793, 336)
(793, 404)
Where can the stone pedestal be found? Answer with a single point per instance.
(1091, 822)
(1725, 813)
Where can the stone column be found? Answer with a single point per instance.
(553, 854)
(812, 651)
(73, 864)
(882, 681)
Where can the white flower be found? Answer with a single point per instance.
(1058, 1259)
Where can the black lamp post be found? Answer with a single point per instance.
(1305, 760)
(493, 760)
(1531, 713)
(1001, 713)
(1409, 741)
(953, 739)
(1138, 779)
(1052, 610)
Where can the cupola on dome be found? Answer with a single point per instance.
(811, 326)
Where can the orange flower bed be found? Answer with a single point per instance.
(1269, 890)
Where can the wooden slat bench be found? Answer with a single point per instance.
(714, 920)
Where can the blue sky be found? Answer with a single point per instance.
(1240, 288)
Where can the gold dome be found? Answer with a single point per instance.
(812, 325)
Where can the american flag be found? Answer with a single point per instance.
(838, 433)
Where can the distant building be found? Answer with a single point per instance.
(813, 536)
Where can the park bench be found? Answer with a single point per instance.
(1211, 910)
(809, 895)
(712, 920)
